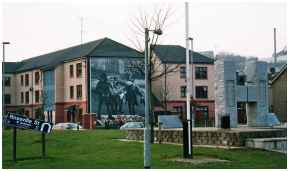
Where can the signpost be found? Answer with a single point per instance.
(20, 121)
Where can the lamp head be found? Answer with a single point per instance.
(158, 31)
(5, 43)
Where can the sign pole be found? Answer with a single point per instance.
(43, 145)
(14, 144)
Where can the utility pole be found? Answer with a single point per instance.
(188, 82)
(3, 77)
(192, 78)
(275, 56)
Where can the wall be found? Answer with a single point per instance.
(16, 89)
(216, 137)
(11, 90)
(279, 97)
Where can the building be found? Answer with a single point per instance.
(170, 87)
(278, 94)
(94, 77)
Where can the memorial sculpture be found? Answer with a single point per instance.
(241, 81)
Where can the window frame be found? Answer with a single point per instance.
(199, 76)
(183, 91)
(183, 72)
(71, 92)
(36, 78)
(7, 79)
(197, 95)
(71, 71)
(79, 70)
(26, 80)
(22, 80)
(27, 97)
(37, 96)
(5, 99)
(79, 91)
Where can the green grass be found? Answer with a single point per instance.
(99, 149)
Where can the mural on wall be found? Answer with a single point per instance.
(117, 86)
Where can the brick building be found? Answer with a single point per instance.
(61, 82)
(170, 88)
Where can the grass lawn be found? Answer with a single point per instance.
(99, 149)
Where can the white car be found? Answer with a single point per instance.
(67, 126)
(132, 125)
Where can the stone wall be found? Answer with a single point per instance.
(209, 136)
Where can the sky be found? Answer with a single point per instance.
(246, 28)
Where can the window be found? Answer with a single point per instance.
(71, 90)
(182, 72)
(37, 96)
(78, 69)
(7, 81)
(22, 80)
(71, 70)
(27, 97)
(183, 91)
(22, 97)
(241, 79)
(26, 80)
(37, 78)
(78, 91)
(7, 99)
(201, 91)
(201, 73)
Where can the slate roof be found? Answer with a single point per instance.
(10, 67)
(104, 47)
(275, 77)
(175, 54)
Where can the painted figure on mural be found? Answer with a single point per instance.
(103, 91)
(132, 92)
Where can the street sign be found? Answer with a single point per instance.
(21, 121)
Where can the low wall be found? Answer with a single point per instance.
(210, 136)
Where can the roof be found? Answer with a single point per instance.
(10, 67)
(104, 47)
(283, 69)
(176, 54)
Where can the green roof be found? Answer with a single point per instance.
(99, 48)
(10, 67)
(175, 54)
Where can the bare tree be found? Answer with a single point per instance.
(152, 21)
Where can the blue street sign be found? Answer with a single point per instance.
(21, 121)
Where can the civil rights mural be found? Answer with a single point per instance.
(117, 86)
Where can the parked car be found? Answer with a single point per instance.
(67, 126)
(132, 125)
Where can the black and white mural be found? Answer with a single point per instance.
(117, 86)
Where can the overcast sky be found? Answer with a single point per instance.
(244, 28)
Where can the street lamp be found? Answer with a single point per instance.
(147, 136)
(3, 78)
(192, 78)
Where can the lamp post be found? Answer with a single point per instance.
(3, 78)
(147, 136)
(188, 76)
(192, 78)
